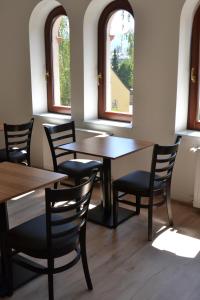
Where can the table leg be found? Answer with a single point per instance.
(107, 186)
(20, 274)
(102, 214)
(4, 226)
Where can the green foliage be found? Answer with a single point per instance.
(131, 45)
(124, 68)
(64, 62)
(125, 73)
(115, 62)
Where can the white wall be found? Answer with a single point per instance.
(156, 69)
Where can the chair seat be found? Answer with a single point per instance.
(79, 167)
(15, 156)
(30, 238)
(18, 156)
(136, 182)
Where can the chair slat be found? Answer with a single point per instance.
(66, 232)
(70, 205)
(58, 138)
(18, 142)
(166, 168)
(165, 160)
(163, 178)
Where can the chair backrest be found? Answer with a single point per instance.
(66, 211)
(58, 135)
(163, 160)
(18, 139)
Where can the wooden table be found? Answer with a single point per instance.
(15, 180)
(109, 148)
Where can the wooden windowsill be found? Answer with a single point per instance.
(110, 123)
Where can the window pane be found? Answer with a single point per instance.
(119, 62)
(61, 61)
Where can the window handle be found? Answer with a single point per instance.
(193, 77)
(99, 78)
(47, 75)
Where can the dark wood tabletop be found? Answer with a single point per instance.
(16, 179)
(107, 146)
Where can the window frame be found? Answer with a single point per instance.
(102, 31)
(193, 104)
(51, 18)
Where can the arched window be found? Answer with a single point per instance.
(194, 92)
(115, 62)
(57, 48)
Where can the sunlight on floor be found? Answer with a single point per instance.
(179, 244)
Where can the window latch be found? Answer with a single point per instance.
(47, 75)
(99, 78)
(193, 75)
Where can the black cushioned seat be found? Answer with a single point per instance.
(136, 182)
(78, 168)
(15, 156)
(30, 237)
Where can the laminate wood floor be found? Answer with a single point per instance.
(123, 264)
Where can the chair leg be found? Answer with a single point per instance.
(138, 201)
(55, 185)
(9, 273)
(150, 218)
(115, 208)
(50, 278)
(77, 181)
(84, 258)
(169, 208)
(101, 184)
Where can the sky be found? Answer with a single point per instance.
(120, 24)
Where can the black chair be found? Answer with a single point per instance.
(75, 168)
(148, 184)
(61, 231)
(17, 142)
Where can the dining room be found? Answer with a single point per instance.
(158, 36)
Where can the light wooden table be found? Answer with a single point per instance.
(109, 148)
(16, 180)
